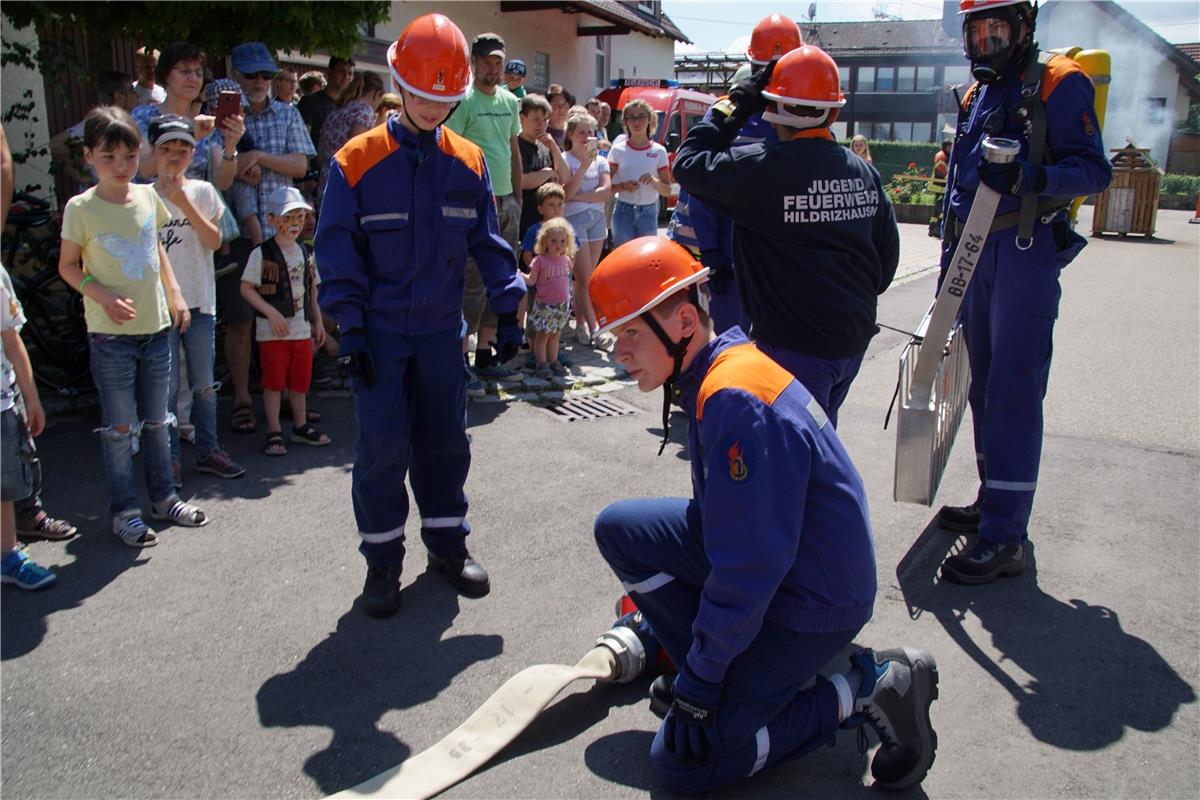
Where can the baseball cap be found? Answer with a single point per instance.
(285, 199)
(213, 90)
(487, 44)
(516, 67)
(171, 127)
(251, 57)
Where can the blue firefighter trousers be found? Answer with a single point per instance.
(827, 379)
(411, 421)
(1008, 318)
(656, 549)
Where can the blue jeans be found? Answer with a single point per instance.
(656, 548)
(133, 375)
(199, 344)
(630, 221)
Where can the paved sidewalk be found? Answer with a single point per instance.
(230, 662)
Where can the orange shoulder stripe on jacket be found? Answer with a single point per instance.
(363, 152)
(463, 149)
(1055, 70)
(744, 367)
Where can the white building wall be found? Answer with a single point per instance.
(1139, 72)
(14, 82)
(571, 58)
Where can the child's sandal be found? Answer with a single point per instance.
(274, 445)
(307, 434)
(181, 513)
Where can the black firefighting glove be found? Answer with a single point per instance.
(508, 336)
(354, 354)
(745, 100)
(1014, 178)
(690, 727)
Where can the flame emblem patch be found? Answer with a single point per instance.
(439, 83)
(737, 463)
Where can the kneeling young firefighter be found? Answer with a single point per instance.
(405, 203)
(768, 571)
(1047, 104)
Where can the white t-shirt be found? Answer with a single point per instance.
(630, 163)
(11, 319)
(156, 95)
(191, 260)
(591, 179)
(298, 325)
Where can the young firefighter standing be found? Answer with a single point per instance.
(815, 239)
(1046, 103)
(768, 571)
(405, 203)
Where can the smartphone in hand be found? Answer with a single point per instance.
(229, 104)
(593, 145)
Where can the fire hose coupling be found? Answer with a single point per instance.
(629, 650)
(999, 150)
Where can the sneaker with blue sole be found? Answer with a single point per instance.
(21, 571)
(897, 690)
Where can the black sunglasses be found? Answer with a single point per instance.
(262, 76)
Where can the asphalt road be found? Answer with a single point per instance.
(229, 661)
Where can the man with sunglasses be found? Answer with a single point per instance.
(1047, 104)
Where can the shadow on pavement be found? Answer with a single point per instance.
(366, 668)
(99, 560)
(1088, 680)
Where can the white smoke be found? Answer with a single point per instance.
(1140, 73)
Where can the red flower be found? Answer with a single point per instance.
(912, 165)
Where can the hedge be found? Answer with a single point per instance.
(893, 158)
(1187, 185)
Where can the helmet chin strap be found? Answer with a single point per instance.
(677, 350)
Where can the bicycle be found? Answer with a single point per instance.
(55, 326)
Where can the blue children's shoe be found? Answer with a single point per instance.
(21, 571)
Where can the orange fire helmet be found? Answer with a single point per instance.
(772, 37)
(972, 6)
(807, 76)
(639, 275)
(431, 59)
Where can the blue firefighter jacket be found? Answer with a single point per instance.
(1075, 165)
(815, 238)
(783, 509)
(400, 214)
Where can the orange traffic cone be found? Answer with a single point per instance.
(1196, 219)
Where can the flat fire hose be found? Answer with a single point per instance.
(934, 375)
(618, 657)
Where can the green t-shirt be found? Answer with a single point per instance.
(120, 251)
(490, 121)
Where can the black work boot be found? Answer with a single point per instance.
(463, 572)
(984, 562)
(381, 591)
(960, 519)
(897, 690)
(662, 695)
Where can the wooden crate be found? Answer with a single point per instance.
(1129, 204)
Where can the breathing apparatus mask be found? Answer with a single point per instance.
(995, 39)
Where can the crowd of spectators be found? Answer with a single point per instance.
(228, 172)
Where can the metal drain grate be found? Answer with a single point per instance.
(576, 409)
